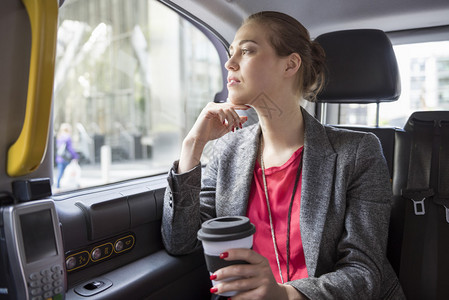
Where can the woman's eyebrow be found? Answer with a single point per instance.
(243, 42)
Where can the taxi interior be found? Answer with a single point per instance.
(357, 36)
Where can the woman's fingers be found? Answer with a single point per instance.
(251, 281)
(234, 119)
(243, 277)
(215, 120)
(223, 116)
(241, 285)
(227, 113)
(243, 119)
(247, 255)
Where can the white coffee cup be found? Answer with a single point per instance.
(221, 234)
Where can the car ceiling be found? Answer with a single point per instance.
(225, 16)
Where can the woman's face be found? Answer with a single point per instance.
(253, 67)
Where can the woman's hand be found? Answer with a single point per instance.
(214, 121)
(257, 280)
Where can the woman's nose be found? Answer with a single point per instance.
(231, 64)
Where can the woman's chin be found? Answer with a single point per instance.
(238, 100)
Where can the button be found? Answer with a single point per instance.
(102, 252)
(96, 254)
(48, 294)
(119, 246)
(47, 287)
(35, 276)
(57, 269)
(123, 244)
(35, 284)
(46, 280)
(35, 292)
(76, 261)
(58, 290)
(70, 262)
(57, 282)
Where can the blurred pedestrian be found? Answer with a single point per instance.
(65, 152)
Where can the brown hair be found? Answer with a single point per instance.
(287, 35)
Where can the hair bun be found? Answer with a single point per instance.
(317, 72)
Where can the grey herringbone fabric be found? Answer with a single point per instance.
(345, 207)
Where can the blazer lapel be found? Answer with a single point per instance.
(237, 183)
(317, 181)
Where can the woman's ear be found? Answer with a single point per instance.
(293, 64)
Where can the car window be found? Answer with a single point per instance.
(424, 71)
(130, 80)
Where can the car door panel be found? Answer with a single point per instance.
(95, 221)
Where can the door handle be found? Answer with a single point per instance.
(27, 152)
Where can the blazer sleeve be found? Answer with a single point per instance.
(357, 269)
(180, 216)
(187, 204)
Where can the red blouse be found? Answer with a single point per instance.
(280, 183)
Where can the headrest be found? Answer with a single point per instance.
(429, 118)
(361, 67)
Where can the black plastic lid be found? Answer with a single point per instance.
(226, 229)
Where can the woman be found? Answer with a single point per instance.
(319, 196)
(64, 151)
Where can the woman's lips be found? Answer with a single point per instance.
(233, 81)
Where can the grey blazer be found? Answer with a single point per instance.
(345, 207)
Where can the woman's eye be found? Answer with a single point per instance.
(245, 51)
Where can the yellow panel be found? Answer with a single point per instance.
(27, 153)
